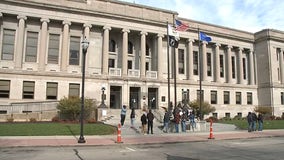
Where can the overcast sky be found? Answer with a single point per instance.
(246, 15)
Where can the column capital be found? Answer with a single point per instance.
(22, 17)
(87, 25)
(204, 42)
(143, 33)
(160, 35)
(217, 44)
(190, 40)
(1, 15)
(45, 20)
(229, 47)
(125, 30)
(106, 27)
(65, 22)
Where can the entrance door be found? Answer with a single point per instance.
(152, 98)
(134, 97)
(115, 97)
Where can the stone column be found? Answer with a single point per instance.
(106, 49)
(204, 61)
(43, 43)
(20, 42)
(251, 67)
(240, 64)
(190, 59)
(87, 28)
(160, 55)
(124, 51)
(281, 60)
(143, 54)
(229, 64)
(217, 62)
(64, 51)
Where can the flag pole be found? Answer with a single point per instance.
(168, 58)
(200, 77)
(175, 70)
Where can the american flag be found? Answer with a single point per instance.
(180, 26)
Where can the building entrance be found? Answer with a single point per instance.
(115, 97)
(134, 97)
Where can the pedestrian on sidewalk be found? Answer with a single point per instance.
(254, 120)
(192, 120)
(183, 120)
(132, 117)
(176, 119)
(260, 122)
(249, 119)
(166, 121)
(150, 118)
(144, 122)
(123, 114)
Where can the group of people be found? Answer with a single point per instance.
(146, 118)
(181, 116)
(253, 119)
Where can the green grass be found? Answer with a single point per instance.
(267, 124)
(50, 129)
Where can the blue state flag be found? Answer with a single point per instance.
(204, 37)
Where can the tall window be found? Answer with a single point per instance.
(249, 98)
(4, 88)
(244, 68)
(53, 49)
(111, 63)
(28, 90)
(130, 47)
(129, 64)
(74, 90)
(282, 98)
(213, 97)
(112, 46)
(74, 55)
(8, 44)
(147, 66)
(147, 50)
(209, 63)
(221, 65)
(180, 61)
(233, 67)
(51, 90)
(195, 62)
(238, 98)
(226, 97)
(31, 47)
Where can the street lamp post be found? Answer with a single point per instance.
(85, 45)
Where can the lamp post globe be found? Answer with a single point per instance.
(85, 45)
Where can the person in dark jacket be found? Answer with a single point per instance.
(254, 120)
(144, 122)
(177, 120)
(150, 118)
(260, 122)
(166, 121)
(249, 119)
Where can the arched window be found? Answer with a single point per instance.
(130, 47)
(147, 50)
(112, 45)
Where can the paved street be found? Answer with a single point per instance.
(239, 149)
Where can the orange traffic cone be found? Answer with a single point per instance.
(211, 130)
(118, 140)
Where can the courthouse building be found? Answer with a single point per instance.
(41, 57)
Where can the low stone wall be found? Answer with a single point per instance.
(25, 117)
(201, 126)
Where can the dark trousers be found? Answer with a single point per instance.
(150, 126)
(122, 119)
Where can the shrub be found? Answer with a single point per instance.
(206, 108)
(70, 107)
(264, 110)
(32, 120)
(55, 119)
(10, 119)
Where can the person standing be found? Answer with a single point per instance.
(249, 119)
(132, 117)
(166, 121)
(150, 118)
(144, 122)
(123, 114)
(192, 120)
(254, 120)
(176, 120)
(260, 122)
(183, 121)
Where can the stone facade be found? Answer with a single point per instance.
(41, 57)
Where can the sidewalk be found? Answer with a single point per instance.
(20, 141)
